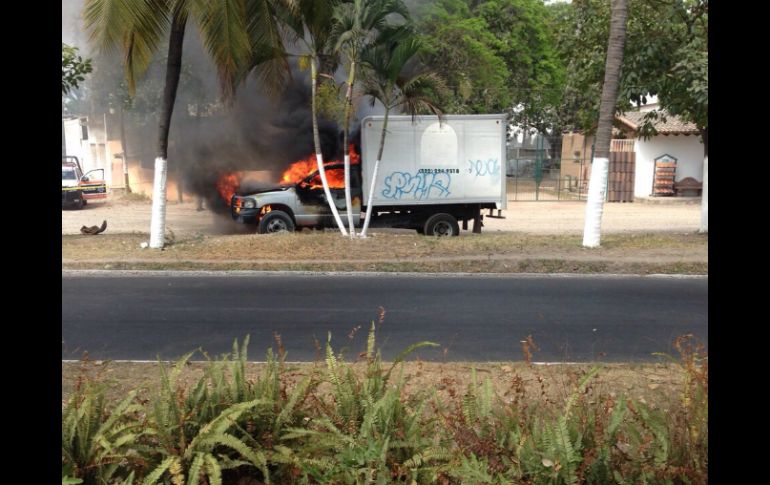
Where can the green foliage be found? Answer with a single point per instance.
(497, 56)
(367, 433)
(666, 54)
(331, 103)
(362, 427)
(98, 441)
(73, 68)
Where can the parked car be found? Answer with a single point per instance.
(78, 188)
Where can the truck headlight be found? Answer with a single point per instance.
(249, 203)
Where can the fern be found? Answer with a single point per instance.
(158, 472)
(195, 469)
(616, 418)
(213, 470)
(94, 437)
(580, 387)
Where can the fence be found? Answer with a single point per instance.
(528, 180)
(542, 179)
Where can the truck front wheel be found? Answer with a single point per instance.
(442, 224)
(276, 221)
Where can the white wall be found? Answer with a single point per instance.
(92, 152)
(687, 149)
(75, 145)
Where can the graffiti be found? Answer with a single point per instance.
(484, 167)
(417, 186)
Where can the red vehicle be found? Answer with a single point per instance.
(78, 188)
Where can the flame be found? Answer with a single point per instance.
(300, 169)
(228, 184)
(355, 158)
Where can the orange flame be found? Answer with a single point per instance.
(300, 169)
(228, 184)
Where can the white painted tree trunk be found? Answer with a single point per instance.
(597, 188)
(369, 202)
(158, 220)
(704, 207)
(322, 172)
(348, 198)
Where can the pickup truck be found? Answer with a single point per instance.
(433, 175)
(78, 188)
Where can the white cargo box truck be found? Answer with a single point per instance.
(454, 167)
(432, 176)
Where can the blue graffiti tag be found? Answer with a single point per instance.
(416, 186)
(484, 167)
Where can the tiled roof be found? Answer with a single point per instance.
(673, 125)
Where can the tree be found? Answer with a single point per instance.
(357, 25)
(496, 56)
(385, 79)
(527, 46)
(599, 170)
(229, 30)
(73, 68)
(460, 48)
(310, 23)
(678, 75)
(666, 54)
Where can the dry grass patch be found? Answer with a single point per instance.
(655, 384)
(316, 246)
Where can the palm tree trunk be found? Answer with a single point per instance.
(348, 109)
(173, 69)
(597, 186)
(704, 208)
(374, 173)
(317, 140)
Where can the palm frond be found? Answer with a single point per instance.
(223, 28)
(135, 27)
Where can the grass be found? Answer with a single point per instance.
(496, 253)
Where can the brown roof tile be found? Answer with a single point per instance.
(673, 125)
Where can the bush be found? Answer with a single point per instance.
(351, 423)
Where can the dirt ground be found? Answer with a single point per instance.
(658, 384)
(544, 217)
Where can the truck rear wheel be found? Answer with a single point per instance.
(276, 221)
(442, 224)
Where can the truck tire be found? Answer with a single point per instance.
(276, 221)
(442, 224)
(79, 203)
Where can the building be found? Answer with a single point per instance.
(677, 143)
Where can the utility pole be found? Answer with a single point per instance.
(107, 159)
(125, 151)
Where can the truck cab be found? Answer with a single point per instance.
(290, 207)
(78, 188)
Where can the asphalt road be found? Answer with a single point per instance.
(141, 316)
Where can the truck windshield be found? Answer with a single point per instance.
(68, 174)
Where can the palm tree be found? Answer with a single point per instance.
(598, 182)
(357, 25)
(310, 22)
(385, 80)
(229, 29)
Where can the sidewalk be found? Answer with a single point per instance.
(546, 217)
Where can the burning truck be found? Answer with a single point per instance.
(433, 175)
